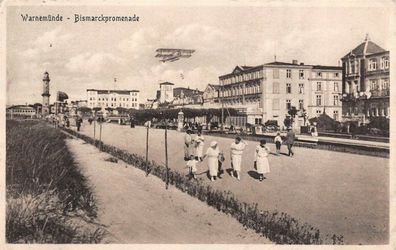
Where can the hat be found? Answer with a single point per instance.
(213, 143)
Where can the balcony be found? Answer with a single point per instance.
(380, 93)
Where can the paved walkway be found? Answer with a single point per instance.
(337, 192)
(138, 209)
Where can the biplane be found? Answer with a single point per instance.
(171, 55)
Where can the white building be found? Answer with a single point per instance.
(113, 98)
(166, 92)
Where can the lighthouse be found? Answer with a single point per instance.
(45, 94)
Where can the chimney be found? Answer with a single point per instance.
(295, 61)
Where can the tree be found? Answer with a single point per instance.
(96, 109)
(288, 121)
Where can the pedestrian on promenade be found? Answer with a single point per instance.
(78, 122)
(278, 142)
(213, 154)
(261, 159)
(192, 167)
(188, 145)
(290, 137)
(199, 144)
(237, 148)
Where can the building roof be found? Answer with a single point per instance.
(108, 91)
(215, 86)
(281, 64)
(326, 67)
(365, 48)
(20, 106)
(166, 83)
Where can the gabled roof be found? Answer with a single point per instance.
(365, 48)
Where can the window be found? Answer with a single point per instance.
(288, 73)
(385, 83)
(276, 73)
(385, 62)
(288, 88)
(318, 112)
(288, 104)
(374, 85)
(301, 74)
(301, 88)
(336, 88)
(275, 104)
(319, 86)
(336, 74)
(372, 64)
(275, 86)
(300, 104)
(318, 100)
(319, 74)
(335, 100)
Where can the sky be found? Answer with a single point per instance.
(86, 55)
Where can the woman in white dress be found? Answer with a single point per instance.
(261, 159)
(237, 148)
(213, 154)
(199, 140)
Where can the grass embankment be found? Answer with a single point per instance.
(48, 199)
(279, 227)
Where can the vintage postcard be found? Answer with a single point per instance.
(181, 124)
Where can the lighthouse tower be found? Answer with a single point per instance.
(45, 94)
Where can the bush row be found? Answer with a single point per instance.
(280, 228)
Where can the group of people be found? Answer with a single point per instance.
(194, 148)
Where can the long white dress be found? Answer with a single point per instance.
(199, 145)
(261, 158)
(213, 160)
(236, 155)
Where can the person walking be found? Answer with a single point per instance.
(213, 154)
(290, 137)
(78, 123)
(188, 145)
(278, 142)
(199, 145)
(192, 169)
(237, 148)
(261, 159)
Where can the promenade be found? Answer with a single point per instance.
(337, 192)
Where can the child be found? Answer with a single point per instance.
(192, 169)
(278, 142)
(260, 159)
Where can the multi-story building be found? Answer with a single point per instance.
(21, 111)
(325, 92)
(365, 85)
(211, 96)
(186, 96)
(268, 91)
(113, 98)
(166, 92)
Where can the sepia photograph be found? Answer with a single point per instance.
(250, 123)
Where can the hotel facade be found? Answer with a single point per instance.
(366, 85)
(113, 98)
(267, 92)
